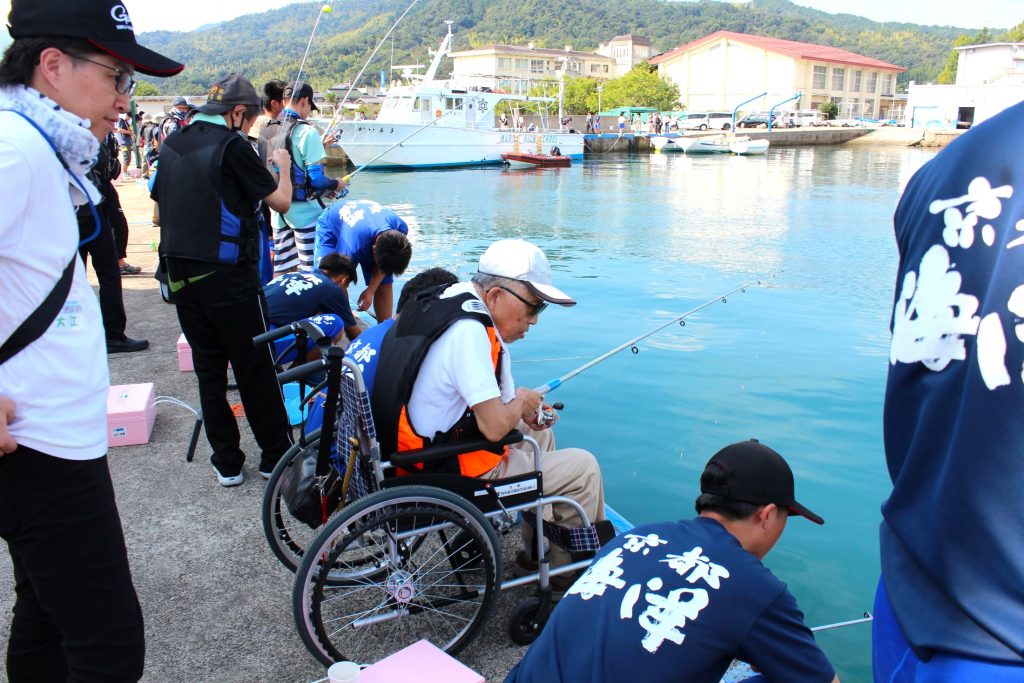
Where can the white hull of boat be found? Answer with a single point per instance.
(444, 146)
(665, 145)
(749, 147)
(712, 145)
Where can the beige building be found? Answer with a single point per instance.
(989, 78)
(627, 51)
(511, 68)
(722, 70)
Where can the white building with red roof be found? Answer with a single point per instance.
(723, 69)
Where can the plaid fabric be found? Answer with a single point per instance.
(575, 539)
(358, 423)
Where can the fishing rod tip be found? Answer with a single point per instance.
(326, 9)
(347, 178)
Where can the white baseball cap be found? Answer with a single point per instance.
(523, 261)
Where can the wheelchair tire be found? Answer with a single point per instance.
(527, 622)
(418, 539)
(288, 537)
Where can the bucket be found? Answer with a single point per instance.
(292, 401)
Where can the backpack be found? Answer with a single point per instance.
(277, 134)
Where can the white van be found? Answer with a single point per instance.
(718, 120)
(805, 117)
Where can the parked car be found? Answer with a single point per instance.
(718, 120)
(805, 117)
(759, 119)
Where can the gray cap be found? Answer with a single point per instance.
(179, 101)
(229, 92)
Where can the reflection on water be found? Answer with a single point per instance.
(799, 362)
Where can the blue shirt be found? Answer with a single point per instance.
(365, 351)
(295, 296)
(951, 550)
(351, 227)
(674, 602)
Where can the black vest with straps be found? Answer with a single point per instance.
(423, 320)
(195, 222)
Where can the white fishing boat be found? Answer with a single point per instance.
(718, 144)
(748, 147)
(663, 144)
(431, 123)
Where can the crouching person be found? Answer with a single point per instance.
(678, 601)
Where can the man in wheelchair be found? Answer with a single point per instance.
(447, 372)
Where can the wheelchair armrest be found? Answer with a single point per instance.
(454, 448)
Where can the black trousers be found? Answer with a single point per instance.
(103, 250)
(220, 314)
(118, 223)
(76, 615)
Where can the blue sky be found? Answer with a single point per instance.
(152, 15)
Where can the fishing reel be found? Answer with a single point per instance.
(547, 414)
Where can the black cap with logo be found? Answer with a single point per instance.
(103, 23)
(229, 92)
(759, 476)
(298, 90)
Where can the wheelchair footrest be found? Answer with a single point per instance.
(575, 539)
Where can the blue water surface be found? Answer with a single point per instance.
(797, 361)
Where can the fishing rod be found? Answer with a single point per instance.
(324, 9)
(352, 85)
(631, 344)
(840, 624)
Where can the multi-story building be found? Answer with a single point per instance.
(627, 51)
(510, 67)
(989, 78)
(724, 69)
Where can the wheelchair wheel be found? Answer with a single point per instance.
(437, 561)
(288, 537)
(527, 622)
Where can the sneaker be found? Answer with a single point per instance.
(126, 345)
(266, 473)
(129, 269)
(226, 481)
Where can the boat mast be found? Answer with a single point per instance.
(435, 63)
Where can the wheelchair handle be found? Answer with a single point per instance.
(311, 330)
(301, 371)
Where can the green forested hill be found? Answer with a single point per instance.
(270, 45)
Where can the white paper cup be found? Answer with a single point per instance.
(343, 672)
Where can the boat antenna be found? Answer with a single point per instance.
(632, 343)
(352, 85)
(324, 9)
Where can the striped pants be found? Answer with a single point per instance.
(293, 247)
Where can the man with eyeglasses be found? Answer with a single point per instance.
(447, 372)
(63, 83)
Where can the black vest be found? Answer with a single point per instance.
(422, 321)
(195, 223)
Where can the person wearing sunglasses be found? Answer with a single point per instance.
(64, 81)
(447, 371)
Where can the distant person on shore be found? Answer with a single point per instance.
(125, 136)
(597, 124)
(295, 230)
(320, 296)
(376, 238)
(950, 602)
(657, 123)
(503, 120)
(272, 103)
(176, 118)
(590, 123)
(209, 244)
(76, 616)
(104, 249)
(678, 601)
(622, 122)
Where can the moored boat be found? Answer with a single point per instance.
(528, 160)
(665, 144)
(718, 144)
(746, 146)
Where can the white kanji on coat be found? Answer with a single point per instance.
(635, 543)
(697, 567)
(983, 202)
(299, 283)
(932, 316)
(604, 573)
(665, 616)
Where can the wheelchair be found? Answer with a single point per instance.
(397, 559)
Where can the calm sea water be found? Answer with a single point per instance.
(798, 362)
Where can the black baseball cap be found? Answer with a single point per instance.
(757, 475)
(300, 90)
(104, 24)
(229, 92)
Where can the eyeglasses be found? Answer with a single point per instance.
(125, 84)
(532, 307)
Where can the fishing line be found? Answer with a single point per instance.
(632, 343)
(325, 9)
(352, 85)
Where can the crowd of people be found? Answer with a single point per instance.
(254, 234)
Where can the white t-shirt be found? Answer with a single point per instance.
(59, 382)
(457, 373)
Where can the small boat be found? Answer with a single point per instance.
(665, 144)
(528, 160)
(718, 144)
(747, 146)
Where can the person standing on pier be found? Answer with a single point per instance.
(950, 601)
(64, 81)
